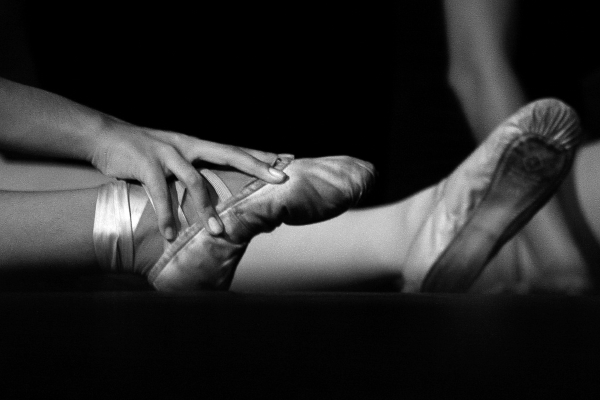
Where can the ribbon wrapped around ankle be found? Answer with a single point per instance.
(118, 213)
(114, 223)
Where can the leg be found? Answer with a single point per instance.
(42, 175)
(266, 258)
(444, 229)
(51, 175)
(480, 38)
(400, 244)
(586, 173)
(48, 230)
(47, 203)
(44, 197)
(559, 254)
(359, 250)
(364, 257)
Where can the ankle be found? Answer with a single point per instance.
(148, 243)
(126, 233)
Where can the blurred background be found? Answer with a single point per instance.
(314, 78)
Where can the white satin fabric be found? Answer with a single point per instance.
(118, 214)
(113, 231)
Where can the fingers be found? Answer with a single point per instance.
(253, 162)
(176, 157)
(198, 191)
(150, 156)
(156, 185)
(249, 164)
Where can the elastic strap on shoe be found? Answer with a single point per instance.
(222, 190)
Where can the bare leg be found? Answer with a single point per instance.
(359, 250)
(48, 229)
(338, 254)
(365, 249)
(558, 254)
(587, 171)
(41, 175)
(480, 37)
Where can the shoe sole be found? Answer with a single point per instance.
(528, 174)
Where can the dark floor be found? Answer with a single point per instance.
(326, 346)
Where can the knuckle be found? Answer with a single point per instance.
(168, 151)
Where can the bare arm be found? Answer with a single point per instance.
(37, 122)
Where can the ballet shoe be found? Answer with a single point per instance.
(315, 190)
(491, 196)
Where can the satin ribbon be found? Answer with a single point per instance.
(113, 233)
(118, 214)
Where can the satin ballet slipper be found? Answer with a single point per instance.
(490, 196)
(315, 190)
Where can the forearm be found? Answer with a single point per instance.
(38, 122)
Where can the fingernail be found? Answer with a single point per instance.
(214, 226)
(277, 173)
(169, 234)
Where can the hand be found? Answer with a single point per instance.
(150, 156)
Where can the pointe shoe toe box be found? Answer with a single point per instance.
(322, 188)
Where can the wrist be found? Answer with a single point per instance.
(100, 138)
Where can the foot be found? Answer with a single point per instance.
(491, 195)
(316, 190)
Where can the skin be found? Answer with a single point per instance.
(39, 123)
(481, 37)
